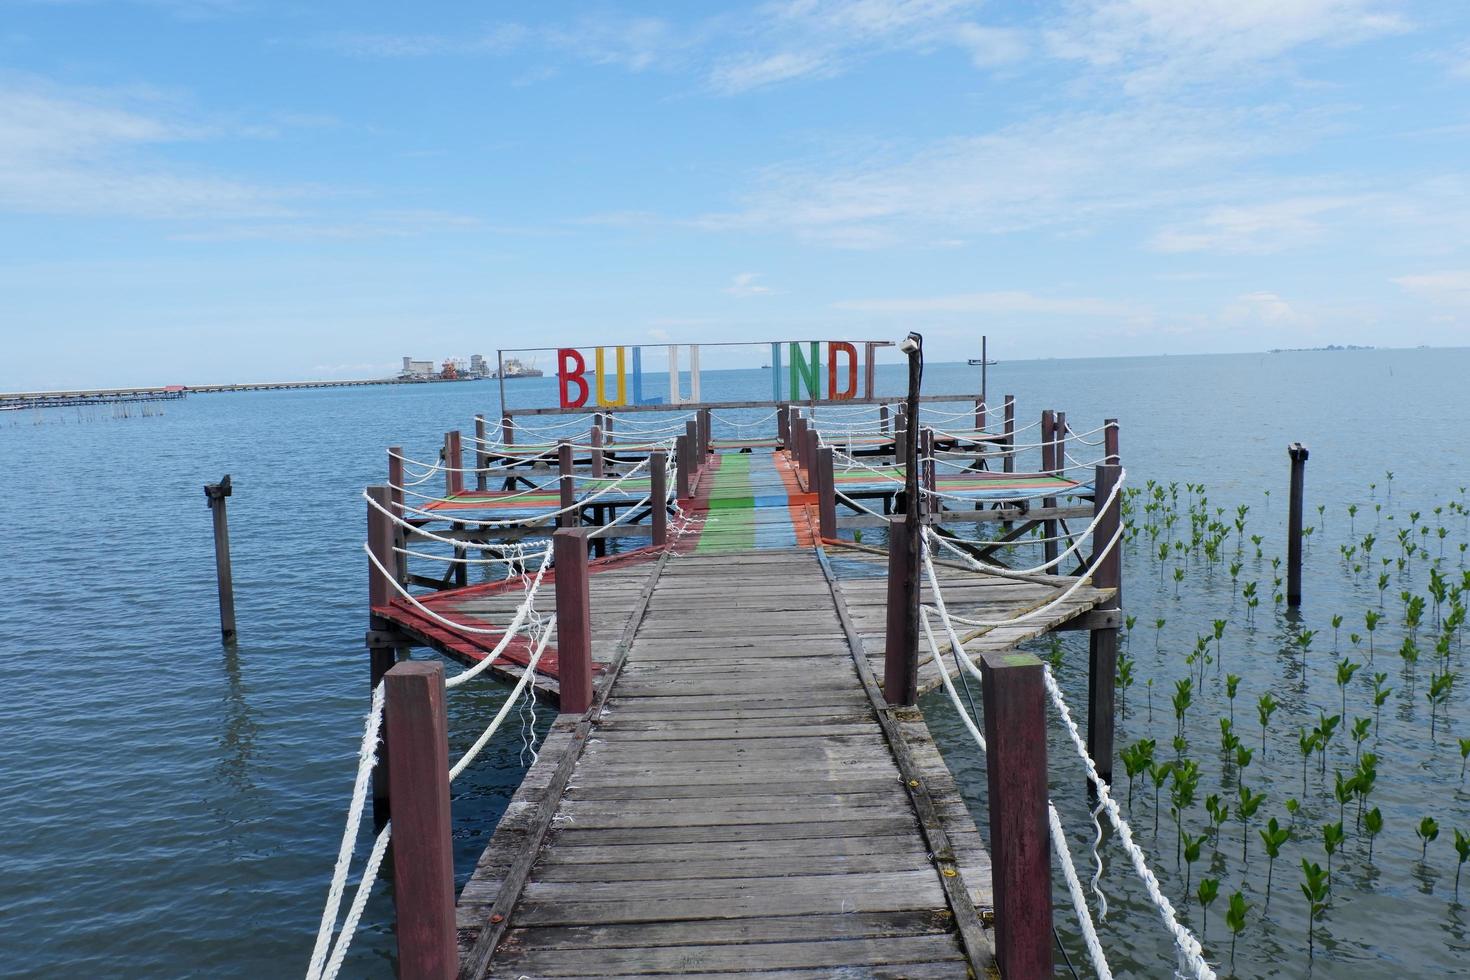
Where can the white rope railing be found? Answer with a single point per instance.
(1066, 594)
(538, 518)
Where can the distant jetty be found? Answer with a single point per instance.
(17, 400)
(1298, 350)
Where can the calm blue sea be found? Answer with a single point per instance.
(172, 808)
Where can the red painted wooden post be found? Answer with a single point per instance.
(573, 620)
(1048, 422)
(682, 483)
(569, 516)
(826, 494)
(1102, 644)
(979, 415)
(1010, 416)
(480, 457)
(900, 658)
(1110, 441)
(809, 459)
(423, 853)
(380, 544)
(658, 497)
(597, 469)
(507, 430)
(453, 464)
(1014, 695)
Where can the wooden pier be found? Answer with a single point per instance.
(730, 789)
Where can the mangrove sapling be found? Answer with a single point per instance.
(1292, 807)
(1219, 627)
(1232, 684)
(1304, 640)
(1363, 782)
(1265, 707)
(1183, 696)
(1360, 731)
(1159, 773)
(1209, 889)
(1192, 845)
(1308, 744)
(1181, 795)
(1235, 919)
(1228, 739)
(1380, 696)
(1462, 853)
(1219, 811)
(1136, 759)
(1332, 838)
(1148, 686)
(1342, 791)
(1464, 756)
(1373, 824)
(1336, 622)
(1326, 727)
(1245, 808)
(1273, 836)
(1440, 686)
(1314, 887)
(1178, 577)
(1158, 632)
(1427, 831)
(1242, 758)
(1370, 620)
(1123, 682)
(1345, 671)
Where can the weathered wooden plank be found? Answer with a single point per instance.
(856, 925)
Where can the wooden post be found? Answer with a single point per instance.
(826, 494)
(214, 495)
(900, 659)
(480, 457)
(1102, 644)
(453, 464)
(1110, 441)
(1049, 466)
(883, 419)
(507, 430)
(979, 415)
(573, 620)
(706, 432)
(1298, 454)
(696, 454)
(1009, 459)
(382, 655)
(1014, 695)
(658, 497)
(423, 853)
(809, 460)
(900, 435)
(783, 424)
(681, 468)
(928, 502)
(395, 496)
(597, 469)
(570, 516)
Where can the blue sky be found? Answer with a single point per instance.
(215, 190)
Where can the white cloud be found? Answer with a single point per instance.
(1453, 284)
(1001, 302)
(1051, 171)
(1160, 43)
(80, 153)
(745, 285)
(1256, 228)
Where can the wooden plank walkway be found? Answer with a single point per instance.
(738, 807)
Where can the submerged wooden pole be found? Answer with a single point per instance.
(1298, 454)
(423, 852)
(658, 497)
(573, 620)
(1102, 644)
(900, 657)
(215, 494)
(569, 516)
(826, 494)
(1014, 696)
